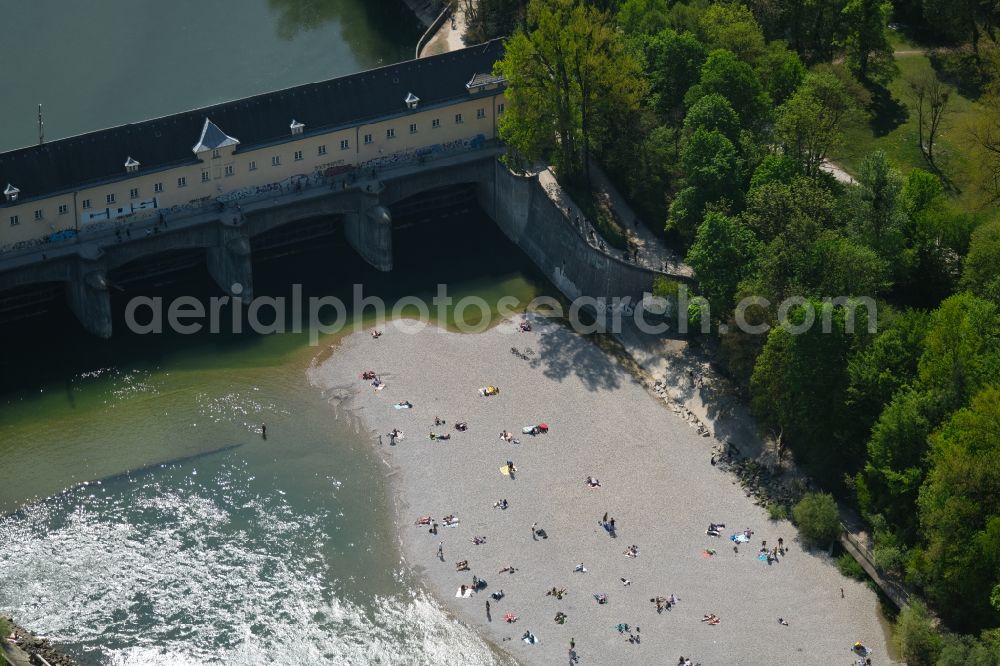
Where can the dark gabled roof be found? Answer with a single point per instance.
(99, 156)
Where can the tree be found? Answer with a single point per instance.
(895, 467)
(817, 518)
(673, 65)
(963, 19)
(780, 70)
(810, 122)
(799, 386)
(960, 514)
(961, 350)
(711, 173)
(986, 146)
(881, 216)
(643, 16)
(713, 112)
(735, 80)
(918, 640)
(488, 19)
(724, 252)
(982, 263)
(930, 97)
(732, 26)
(569, 78)
(869, 53)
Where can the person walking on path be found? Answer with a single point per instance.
(441, 550)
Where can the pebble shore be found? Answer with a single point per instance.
(656, 481)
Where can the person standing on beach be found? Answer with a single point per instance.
(534, 531)
(263, 431)
(441, 550)
(488, 618)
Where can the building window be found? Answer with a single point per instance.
(298, 155)
(157, 187)
(110, 199)
(182, 181)
(86, 203)
(63, 209)
(38, 214)
(205, 176)
(413, 128)
(500, 107)
(229, 170)
(276, 160)
(368, 139)
(322, 149)
(344, 144)
(253, 165)
(480, 113)
(435, 123)
(390, 133)
(216, 153)
(133, 193)
(14, 221)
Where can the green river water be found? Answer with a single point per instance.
(145, 519)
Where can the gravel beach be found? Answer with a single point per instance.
(656, 482)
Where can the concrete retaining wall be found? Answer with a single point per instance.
(525, 213)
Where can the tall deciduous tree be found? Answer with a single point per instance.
(960, 514)
(982, 263)
(869, 53)
(811, 122)
(569, 77)
(725, 74)
(963, 19)
(930, 96)
(724, 252)
(986, 146)
(673, 65)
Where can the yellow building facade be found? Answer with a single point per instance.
(284, 146)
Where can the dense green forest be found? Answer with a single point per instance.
(719, 119)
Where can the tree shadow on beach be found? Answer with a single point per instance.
(563, 353)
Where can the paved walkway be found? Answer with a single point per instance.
(449, 35)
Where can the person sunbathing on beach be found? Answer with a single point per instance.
(462, 566)
(508, 569)
(422, 520)
(632, 551)
(661, 603)
(478, 540)
(461, 426)
(593, 482)
(376, 334)
(449, 520)
(557, 593)
(561, 618)
(497, 596)
(580, 568)
(438, 421)
(711, 618)
(501, 504)
(601, 598)
(509, 618)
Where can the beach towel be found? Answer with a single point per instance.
(739, 538)
(762, 557)
(400, 405)
(468, 593)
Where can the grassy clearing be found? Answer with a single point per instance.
(893, 129)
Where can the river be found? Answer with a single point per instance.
(146, 521)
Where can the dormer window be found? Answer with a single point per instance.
(411, 101)
(11, 192)
(296, 127)
(131, 165)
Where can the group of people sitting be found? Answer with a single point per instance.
(462, 565)
(487, 391)
(714, 529)
(632, 551)
(501, 504)
(524, 327)
(664, 603)
(478, 540)
(560, 618)
(376, 334)
(508, 436)
(556, 592)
